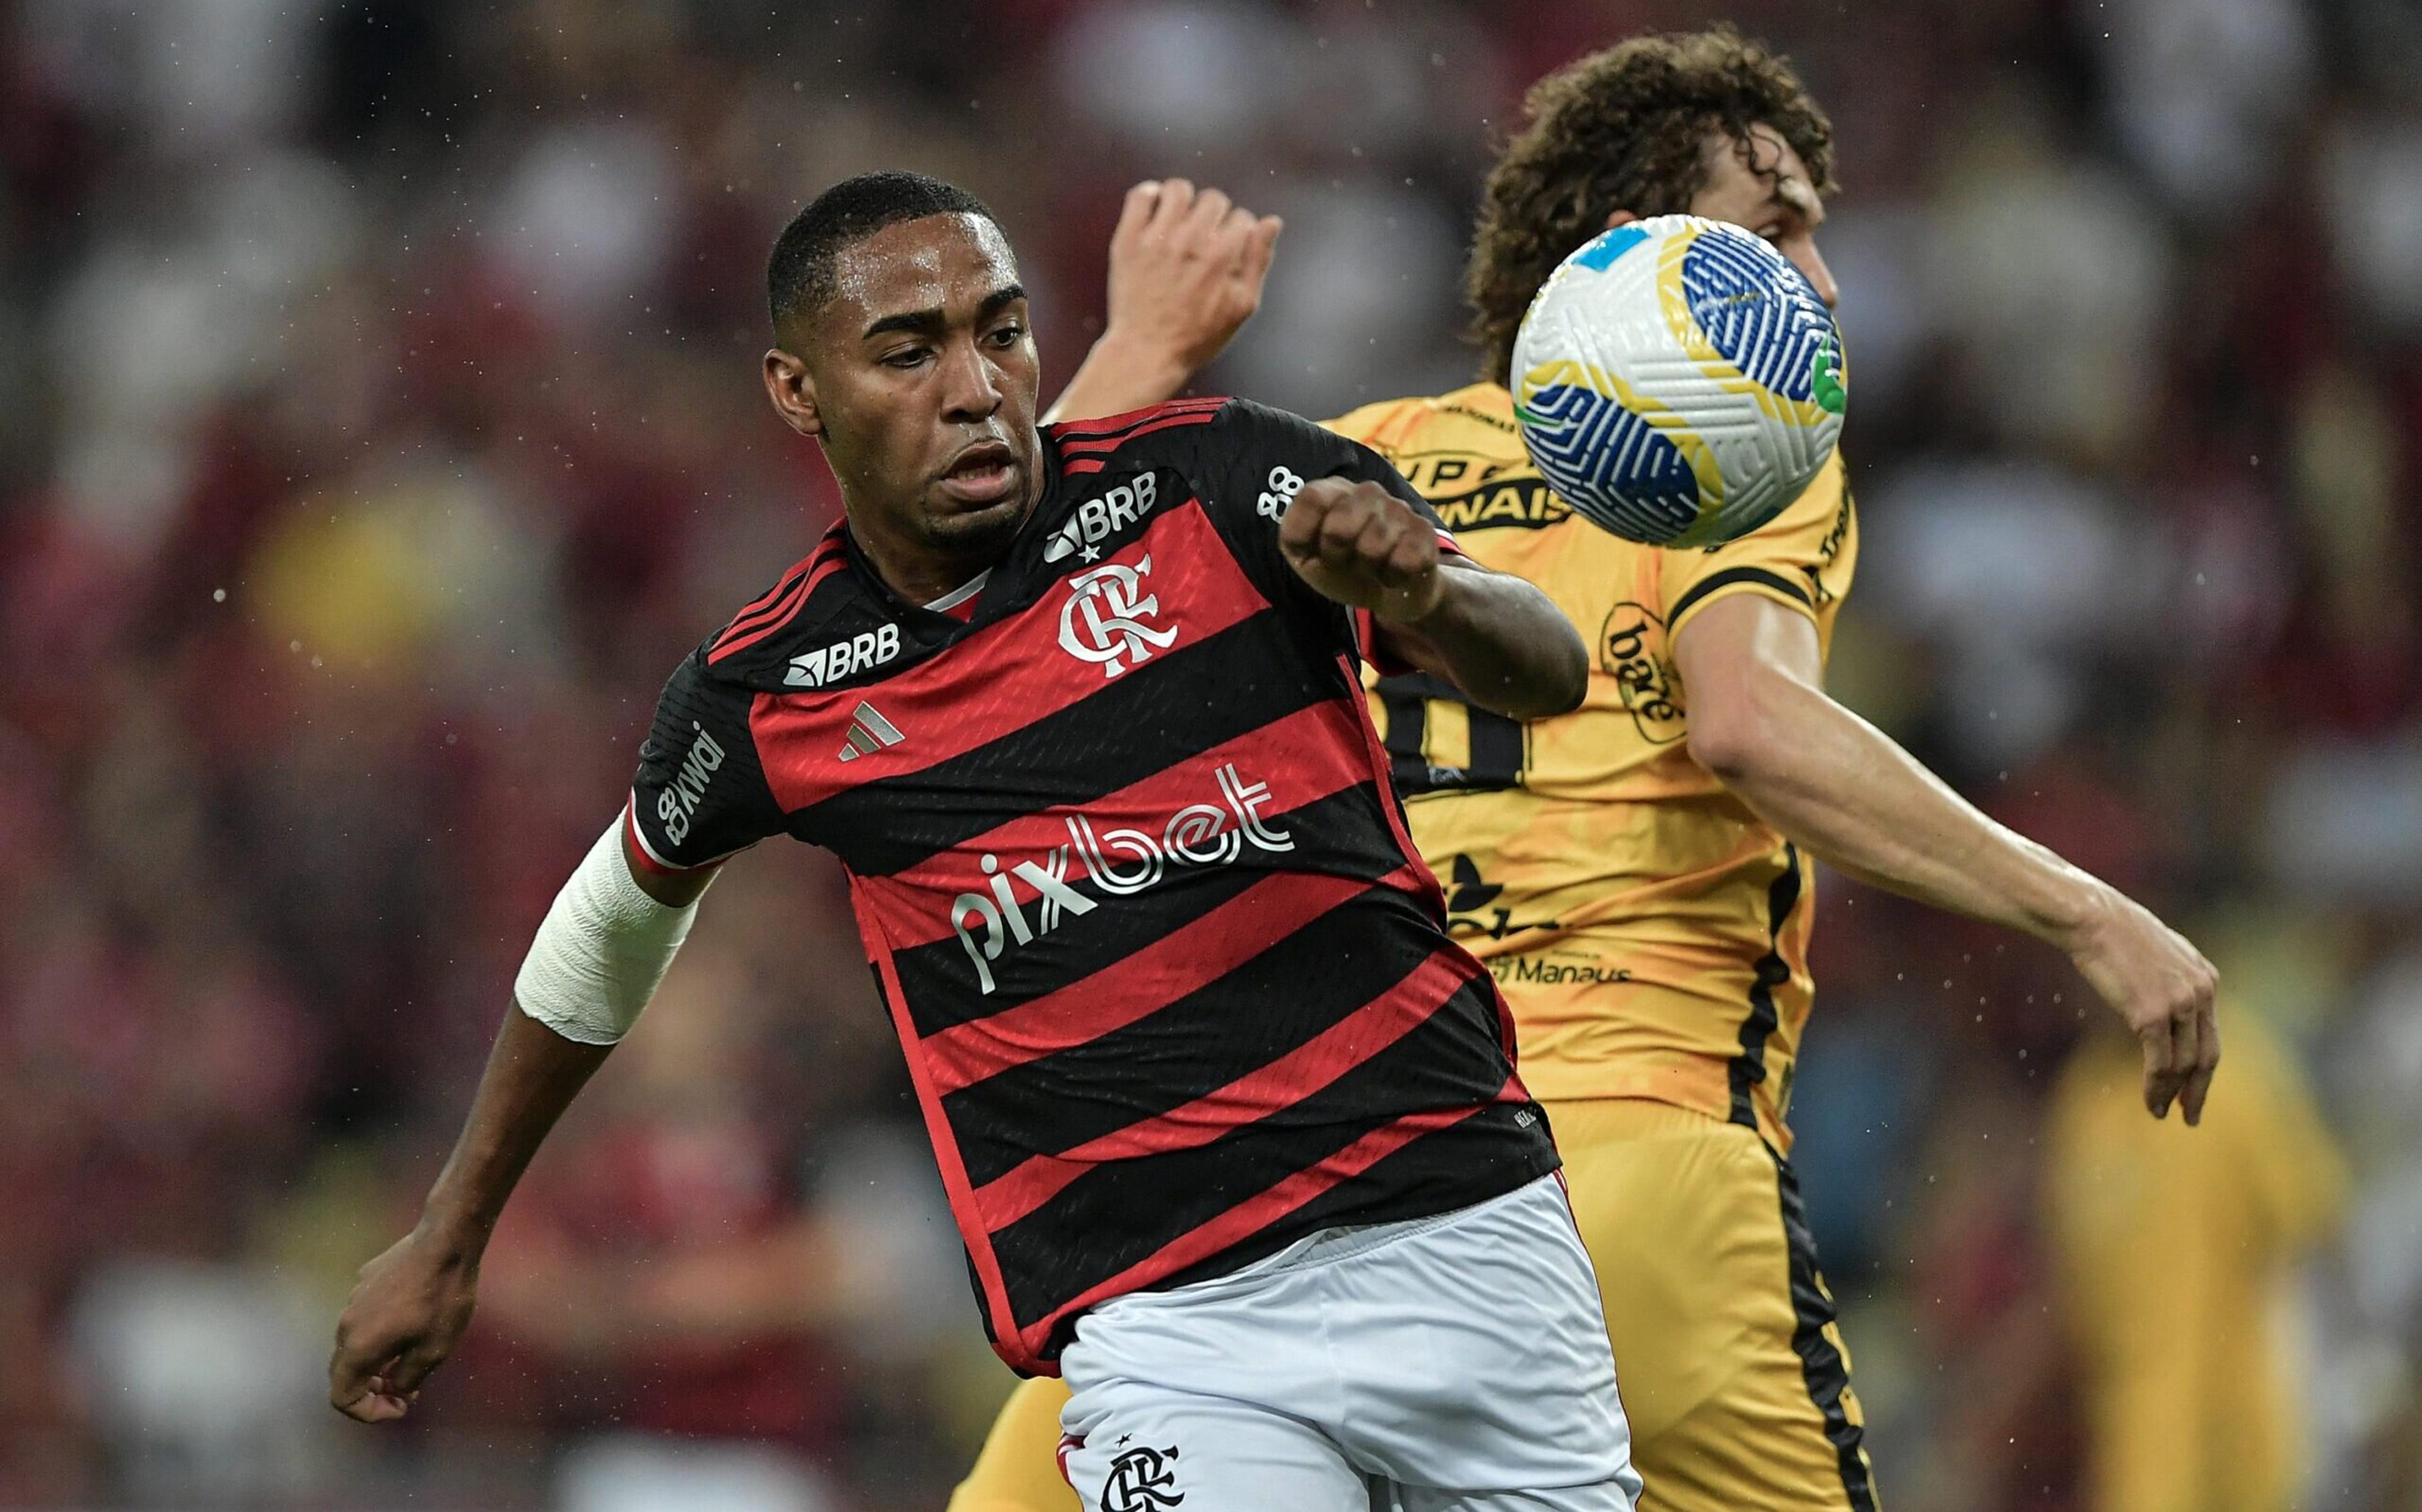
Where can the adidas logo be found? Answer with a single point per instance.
(869, 732)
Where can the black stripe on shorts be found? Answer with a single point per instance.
(1820, 1363)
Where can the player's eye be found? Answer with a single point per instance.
(903, 359)
(1006, 336)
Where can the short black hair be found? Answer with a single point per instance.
(799, 274)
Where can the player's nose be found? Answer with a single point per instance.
(1805, 257)
(969, 387)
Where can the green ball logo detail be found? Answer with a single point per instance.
(1825, 380)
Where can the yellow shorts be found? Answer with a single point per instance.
(1018, 1468)
(1731, 1371)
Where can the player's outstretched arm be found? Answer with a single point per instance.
(604, 947)
(411, 1303)
(1187, 267)
(1501, 641)
(1760, 721)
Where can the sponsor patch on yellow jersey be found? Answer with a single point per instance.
(1651, 933)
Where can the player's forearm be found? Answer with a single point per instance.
(1119, 374)
(533, 1073)
(606, 944)
(1500, 640)
(1847, 792)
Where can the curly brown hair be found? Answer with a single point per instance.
(1622, 129)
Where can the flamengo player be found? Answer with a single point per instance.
(1229, 1124)
(1635, 871)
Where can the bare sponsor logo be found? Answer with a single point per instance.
(842, 659)
(1632, 647)
(1097, 521)
(1107, 619)
(677, 805)
(1027, 899)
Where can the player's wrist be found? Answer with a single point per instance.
(1123, 371)
(455, 1242)
(1139, 347)
(2071, 911)
(1148, 360)
(1415, 606)
(451, 1235)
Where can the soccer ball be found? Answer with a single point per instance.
(1678, 382)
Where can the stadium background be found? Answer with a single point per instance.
(379, 423)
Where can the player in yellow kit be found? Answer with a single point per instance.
(1637, 872)
(2188, 1377)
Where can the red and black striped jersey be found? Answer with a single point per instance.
(1173, 985)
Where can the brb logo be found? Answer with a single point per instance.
(1120, 862)
(1142, 1480)
(1104, 619)
(830, 664)
(1097, 519)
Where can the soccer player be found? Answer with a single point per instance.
(1227, 1121)
(1636, 872)
(2188, 1376)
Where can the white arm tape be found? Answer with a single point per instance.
(603, 949)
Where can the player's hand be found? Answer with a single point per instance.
(1187, 267)
(2163, 987)
(408, 1309)
(1361, 545)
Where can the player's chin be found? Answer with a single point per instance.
(962, 525)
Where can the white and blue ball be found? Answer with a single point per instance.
(1678, 382)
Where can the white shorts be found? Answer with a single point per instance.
(1454, 1363)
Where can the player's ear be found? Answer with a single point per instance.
(793, 389)
(1621, 217)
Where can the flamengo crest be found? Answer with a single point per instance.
(1142, 1480)
(1104, 619)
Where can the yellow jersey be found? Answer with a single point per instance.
(1650, 931)
(2190, 1382)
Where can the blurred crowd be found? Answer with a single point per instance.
(379, 423)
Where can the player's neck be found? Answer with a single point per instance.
(916, 577)
(918, 571)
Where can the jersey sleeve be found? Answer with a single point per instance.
(1802, 559)
(700, 794)
(1260, 460)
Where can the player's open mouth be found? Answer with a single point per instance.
(983, 474)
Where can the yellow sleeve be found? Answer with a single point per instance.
(1803, 559)
(1373, 425)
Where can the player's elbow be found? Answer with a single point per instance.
(1527, 671)
(1562, 680)
(1550, 676)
